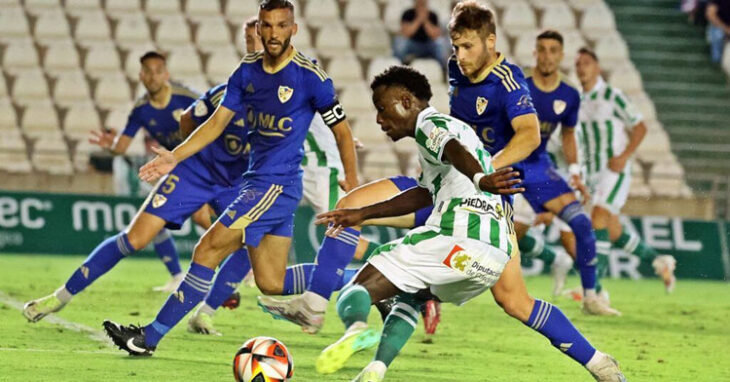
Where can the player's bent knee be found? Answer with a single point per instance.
(137, 241)
(269, 287)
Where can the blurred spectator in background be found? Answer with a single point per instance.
(420, 35)
(718, 14)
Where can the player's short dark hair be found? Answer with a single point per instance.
(551, 34)
(270, 5)
(404, 76)
(470, 15)
(251, 22)
(588, 51)
(152, 54)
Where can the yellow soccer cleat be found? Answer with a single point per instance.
(357, 338)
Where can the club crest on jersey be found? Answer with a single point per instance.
(176, 114)
(158, 200)
(285, 93)
(457, 259)
(481, 105)
(559, 106)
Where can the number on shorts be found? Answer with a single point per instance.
(170, 183)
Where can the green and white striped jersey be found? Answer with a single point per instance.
(605, 117)
(320, 147)
(460, 210)
(557, 156)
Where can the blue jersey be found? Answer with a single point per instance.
(226, 158)
(162, 124)
(279, 106)
(555, 107)
(491, 102)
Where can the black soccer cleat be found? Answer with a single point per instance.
(385, 306)
(128, 338)
(233, 301)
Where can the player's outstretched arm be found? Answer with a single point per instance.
(346, 146)
(404, 203)
(501, 181)
(109, 140)
(522, 144)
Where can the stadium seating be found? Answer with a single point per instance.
(345, 70)
(518, 17)
(20, 56)
(184, 60)
(212, 33)
(78, 7)
(132, 30)
(430, 68)
(372, 41)
(13, 24)
(80, 119)
(70, 88)
(597, 20)
(40, 119)
(112, 91)
(123, 7)
(378, 64)
(333, 39)
(321, 13)
(51, 26)
(362, 13)
(163, 8)
(92, 27)
(557, 16)
(102, 60)
(219, 64)
(172, 32)
(61, 57)
(30, 87)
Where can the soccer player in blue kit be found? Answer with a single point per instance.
(491, 94)
(211, 177)
(281, 90)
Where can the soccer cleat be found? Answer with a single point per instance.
(597, 307)
(431, 313)
(172, 284)
(575, 294)
(358, 337)
(202, 323)
(664, 266)
(368, 376)
(128, 338)
(35, 310)
(559, 270)
(295, 310)
(233, 301)
(605, 368)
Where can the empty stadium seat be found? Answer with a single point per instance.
(35, 7)
(13, 24)
(372, 41)
(202, 9)
(116, 118)
(12, 141)
(51, 26)
(355, 99)
(132, 30)
(627, 78)
(361, 13)
(645, 106)
(40, 119)
(333, 39)
(30, 87)
(158, 9)
(581, 5)
(78, 7)
(61, 58)
(112, 91)
(523, 52)
(321, 12)
(344, 70)
(91, 28)
(378, 65)
(667, 178)
(15, 162)
(172, 32)
(184, 60)
(8, 120)
(393, 12)
(572, 41)
(3, 87)
(542, 5)
(303, 39)
(198, 81)
(131, 60)
(212, 33)
(221, 63)
(20, 56)
(81, 155)
(51, 156)
(557, 16)
(597, 20)
(102, 60)
(611, 49)
(71, 88)
(117, 8)
(518, 17)
(503, 43)
(430, 68)
(80, 120)
(237, 12)
(655, 146)
(440, 99)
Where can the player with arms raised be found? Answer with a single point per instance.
(463, 249)
(281, 90)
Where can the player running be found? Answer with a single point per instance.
(463, 249)
(211, 177)
(281, 90)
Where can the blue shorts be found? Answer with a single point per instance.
(542, 183)
(184, 190)
(264, 207)
(405, 182)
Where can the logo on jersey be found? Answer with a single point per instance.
(249, 88)
(481, 105)
(240, 123)
(480, 205)
(200, 109)
(559, 106)
(457, 259)
(285, 93)
(231, 214)
(435, 138)
(234, 145)
(158, 200)
(176, 114)
(153, 122)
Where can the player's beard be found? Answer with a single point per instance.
(284, 47)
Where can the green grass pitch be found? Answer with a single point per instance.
(678, 337)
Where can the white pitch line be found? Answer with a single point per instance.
(94, 334)
(31, 350)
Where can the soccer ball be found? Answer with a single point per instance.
(263, 359)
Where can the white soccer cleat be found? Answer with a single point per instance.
(202, 323)
(561, 267)
(35, 310)
(373, 372)
(358, 337)
(171, 284)
(604, 368)
(664, 266)
(604, 297)
(295, 310)
(598, 307)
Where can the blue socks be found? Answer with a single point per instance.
(230, 275)
(167, 252)
(332, 258)
(103, 258)
(295, 280)
(188, 295)
(585, 243)
(549, 321)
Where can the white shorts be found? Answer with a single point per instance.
(524, 213)
(454, 269)
(321, 188)
(610, 190)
